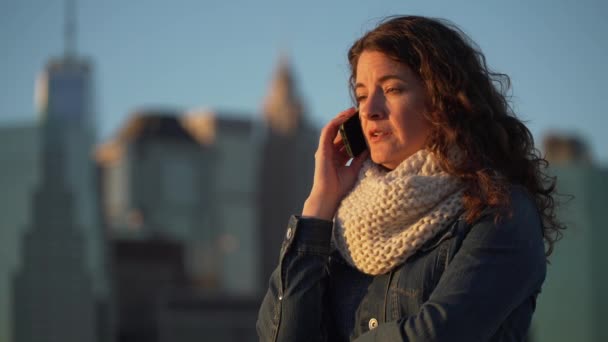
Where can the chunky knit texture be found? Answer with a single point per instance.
(389, 215)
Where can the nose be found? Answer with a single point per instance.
(373, 108)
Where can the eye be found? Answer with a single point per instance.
(394, 90)
(360, 98)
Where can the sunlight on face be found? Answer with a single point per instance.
(391, 102)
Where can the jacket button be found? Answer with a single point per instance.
(289, 233)
(373, 324)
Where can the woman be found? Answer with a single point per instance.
(438, 230)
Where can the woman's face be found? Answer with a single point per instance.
(392, 103)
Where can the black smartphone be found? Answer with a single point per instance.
(352, 136)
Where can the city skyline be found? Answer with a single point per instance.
(170, 168)
(220, 56)
(131, 82)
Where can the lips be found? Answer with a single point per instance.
(376, 135)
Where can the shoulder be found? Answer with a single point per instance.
(520, 223)
(514, 241)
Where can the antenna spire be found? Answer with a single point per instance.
(70, 28)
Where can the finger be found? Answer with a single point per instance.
(342, 118)
(347, 113)
(340, 151)
(341, 148)
(330, 131)
(338, 143)
(338, 138)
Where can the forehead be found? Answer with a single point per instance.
(375, 64)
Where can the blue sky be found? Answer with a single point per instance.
(221, 54)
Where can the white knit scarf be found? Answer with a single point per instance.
(389, 215)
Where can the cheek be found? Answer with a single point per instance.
(422, 127)
(414, 127)
(364, 126)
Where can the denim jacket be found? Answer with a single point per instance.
(472, 282)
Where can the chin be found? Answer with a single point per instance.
(381, 160)
(376, 158)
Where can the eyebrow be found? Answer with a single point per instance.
(382, 80)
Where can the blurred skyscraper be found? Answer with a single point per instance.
(286, 167)
(220, 186)
(146, 272)
(573, 304)
(187, 178)
(19, 162)
(61, 290)
(53, 295)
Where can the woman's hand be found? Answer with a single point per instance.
(332, 178)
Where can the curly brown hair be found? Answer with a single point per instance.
(468, 107)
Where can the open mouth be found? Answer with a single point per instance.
(376, 135)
